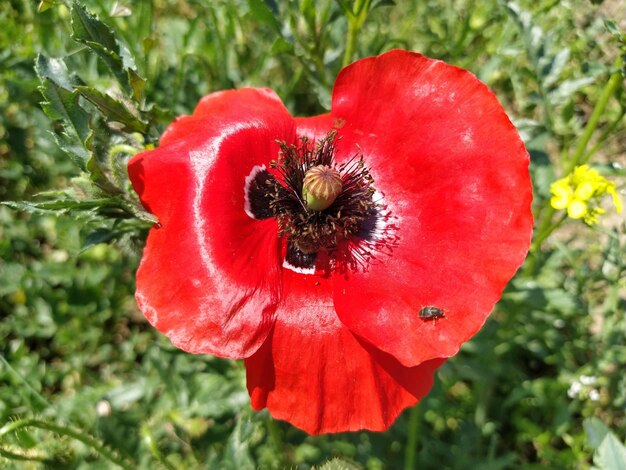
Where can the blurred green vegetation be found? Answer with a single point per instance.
(539, 387)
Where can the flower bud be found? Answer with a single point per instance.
(321, 186)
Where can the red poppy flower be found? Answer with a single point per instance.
(343, 312)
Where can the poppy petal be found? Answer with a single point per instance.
(210, 274)
(453, 174)
(315, 127)
(227, 104)
(315, 374)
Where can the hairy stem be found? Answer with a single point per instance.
(79, 435)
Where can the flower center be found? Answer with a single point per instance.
(320, 187)
(318, 205)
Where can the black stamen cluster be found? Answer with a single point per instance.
(310, 231)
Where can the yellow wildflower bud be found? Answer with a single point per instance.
(592, 216)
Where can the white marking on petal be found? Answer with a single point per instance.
(148, 310)
(468, 137)
(249, 179)
(423, 90)
(288, 265)
(380, 226)
(202, 160)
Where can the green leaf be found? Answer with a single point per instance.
(44, 5)
(383, 3)
(97, 166)
(99, 235)
(61, 206)
(281, 46)
(137, 84)
(611, 454)
(613, 28)
(237, 452)
(87, 28)
(61, 102)
(113, 110)
(568, 87)
(596, 432)
(556, 67)
(99, 37)
(262, 12)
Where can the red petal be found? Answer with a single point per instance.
(312, 371)
(209, 276)
(454, 174)
(228, 104)
(315, 127)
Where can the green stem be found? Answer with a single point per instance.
(114, 167)
(86, 439)
(543, 231)
(411, 444)
(350, 43)
(356, 18)
(13, 456)
(600, 141)
(614, 82)
(275, 439)
(546, 229)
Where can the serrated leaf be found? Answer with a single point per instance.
(611, 454)
(62, 103)
(100, 38)
(96, 165)
(82, 187)
(73, 148)
(88, 28)
(137, 84)
(61, 206)
(112, 109)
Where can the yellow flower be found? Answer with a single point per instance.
(563, 194)
(580, 192)
(576, 209)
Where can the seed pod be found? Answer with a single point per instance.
(320, 187)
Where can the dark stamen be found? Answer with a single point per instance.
(311, 231)
(356, 219)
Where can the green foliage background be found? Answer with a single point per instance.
(85, 383)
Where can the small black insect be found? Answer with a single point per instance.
(431, 313)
